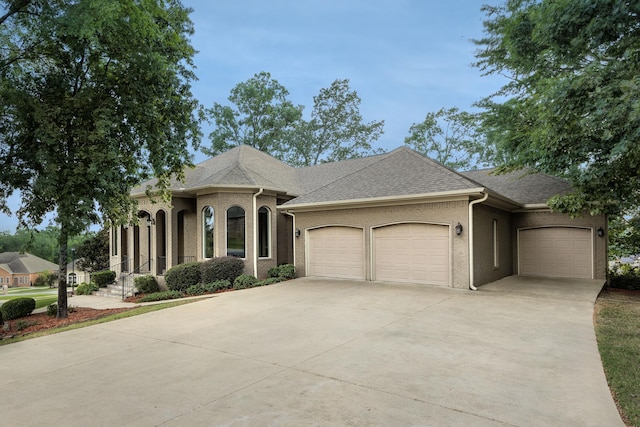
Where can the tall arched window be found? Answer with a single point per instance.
(207, 232)
(235, 232)
(264, 232)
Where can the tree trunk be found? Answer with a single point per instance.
(62, 278)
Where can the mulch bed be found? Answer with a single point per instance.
(42, 321)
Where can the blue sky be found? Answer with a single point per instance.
(405, 58)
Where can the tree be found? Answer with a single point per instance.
(93, 253)
(99, 102)
(572, 106)
(261, 118)
(449, 136)
(335, 131)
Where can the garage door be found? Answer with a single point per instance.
(416, 253)
(336, 252)
(555, 252)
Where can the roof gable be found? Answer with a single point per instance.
(25, 263)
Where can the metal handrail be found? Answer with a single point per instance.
(128, 281)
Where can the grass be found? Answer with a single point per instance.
(617, 324)
(129, 313)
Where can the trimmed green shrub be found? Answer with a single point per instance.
(222, 268)
(217, 286)
(269, 281)
(180, 277)
(244, 281)
(161, 296)
(103, 278)
(86, 288)
(52, 310)
(146, 284)
(18, 307)
(284, 271)
(194, 290)
(625, 276)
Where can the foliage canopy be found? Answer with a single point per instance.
(572, 105)
(95, 98)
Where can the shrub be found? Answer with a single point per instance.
(86, 288)
(52, 309)
(217, 286)
(625, 276)
(18, 307)
(46, 278)
(103, 278)
(244, 281)
(284, 271)
(146, 284)
(269, 281)
(180, 277)
(223, 268)
(195, 290)
(160, 296)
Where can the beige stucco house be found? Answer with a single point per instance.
(397, 217)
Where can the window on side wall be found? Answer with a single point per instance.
(496, 254)
(264, 232)
(235, 232)
(207, 232)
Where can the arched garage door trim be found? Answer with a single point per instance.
(335, 251)
(412, 251)
(556, 251)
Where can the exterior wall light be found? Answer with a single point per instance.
(600, 232)
(458, 229)
(150, 221)
(297, 232)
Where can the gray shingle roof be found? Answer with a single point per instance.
(25, 263)
(401, 172)
(524, 187)
(240, 166)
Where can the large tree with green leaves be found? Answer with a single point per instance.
(98, 101)
(572, 103)
(335, 131)
(449, 136)
(261, 117)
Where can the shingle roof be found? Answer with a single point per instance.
(240, 166)
(24, 263)
(524, 187)
(401, 172)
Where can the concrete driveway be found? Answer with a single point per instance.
(518, 352)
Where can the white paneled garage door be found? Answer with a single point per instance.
(416, 253)
(336, 252)
(555, 252)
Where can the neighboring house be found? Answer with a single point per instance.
(81, 276)
(22, 269)
(398, 217)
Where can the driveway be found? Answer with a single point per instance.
(517, 352)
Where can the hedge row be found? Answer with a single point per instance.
(181, 277)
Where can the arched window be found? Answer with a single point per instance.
(207, 232)
(235, 232)
(264, 232)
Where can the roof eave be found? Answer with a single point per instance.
(387, 200)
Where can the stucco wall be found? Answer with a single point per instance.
(546, 218)
(449, 213)
(484, 269)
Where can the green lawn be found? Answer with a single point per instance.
(617, 324)
(43, 295)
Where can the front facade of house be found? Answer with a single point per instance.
(396, 217)
(22, 269)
